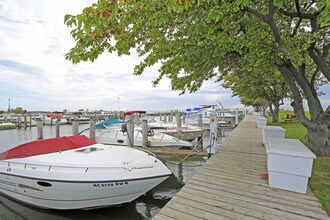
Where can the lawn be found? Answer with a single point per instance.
(320, 179)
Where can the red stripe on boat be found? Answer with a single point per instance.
(46, 146)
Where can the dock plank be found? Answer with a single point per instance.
(231, 186)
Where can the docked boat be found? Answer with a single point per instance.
(50, 119)
(81, 118)
(111, 132)
(192, 116)
(76, 173)
(186, 132)
(117, 136)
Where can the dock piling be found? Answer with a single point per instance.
(92, 128)
(130, 134)
(75, 126)
(145, 133)
(57, 128)
(40, 131)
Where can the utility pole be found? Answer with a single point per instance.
(8, 105)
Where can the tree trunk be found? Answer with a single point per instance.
(318, 127)
(275, 113)
(318, 138)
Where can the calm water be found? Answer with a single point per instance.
(144, 207)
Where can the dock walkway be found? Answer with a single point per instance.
(233, 185)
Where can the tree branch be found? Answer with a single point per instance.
(320, 62)
(257, 13)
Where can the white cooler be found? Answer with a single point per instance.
(261, 122)
(272, 132)
(289, 164)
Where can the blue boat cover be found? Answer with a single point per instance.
(109, 121)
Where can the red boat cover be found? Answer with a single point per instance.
(46, 146)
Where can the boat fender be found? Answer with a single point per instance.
(151, 133)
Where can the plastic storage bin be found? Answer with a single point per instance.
(289, 164)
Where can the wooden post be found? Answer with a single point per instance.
(75, 126)
(236, 118)
(40, 129)
(92, 128)
(30, 121)
(145, 133)
(178, 121)
(130, 134)
(165, 117)
(51, 121)
(57, 128)
(184, 118)
(200, 120)
(171, 117)
(160, 117)
(25, 121)
(178, 126)
(19, 123)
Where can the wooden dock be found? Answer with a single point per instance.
(233, 185)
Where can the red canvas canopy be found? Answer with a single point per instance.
(134, 111)
(46, 146)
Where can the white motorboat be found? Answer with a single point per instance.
(81, 118)
(155, 139)
(50, 119)
(192, 117)
(186, 132)
(111, 132)
(76, 173)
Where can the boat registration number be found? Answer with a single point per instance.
(110, 184)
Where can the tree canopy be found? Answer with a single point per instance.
(195, 40)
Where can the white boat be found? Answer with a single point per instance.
(76, 173)
(155, 139)
(50, 119)
(111, 132)
(81, 118)
(192, 117)
(186, 132)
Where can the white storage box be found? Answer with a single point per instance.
(255, 115)
(272, 132)
(261, 122)
(289, 164)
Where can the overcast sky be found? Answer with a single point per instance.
(36, 76)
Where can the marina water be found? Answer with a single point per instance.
(145, 207)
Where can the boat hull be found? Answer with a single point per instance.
(75, 195)
(91, 176)
(116, 137)
(186, 135)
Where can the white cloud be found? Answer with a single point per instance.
(36, 76)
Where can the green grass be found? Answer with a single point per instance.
(320, 179)
(293, 129)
